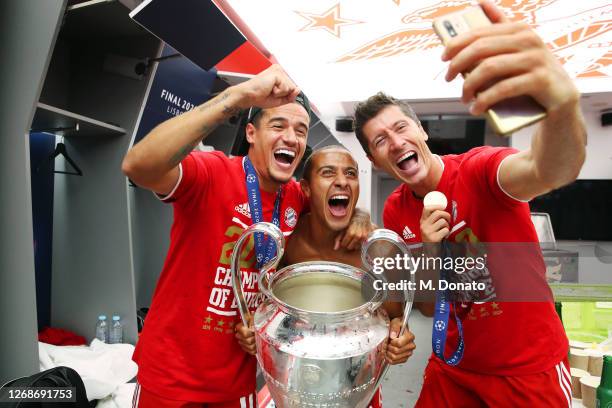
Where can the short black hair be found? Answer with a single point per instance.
(300, 99)
(366, 110)
(308, 164)
(256, 119)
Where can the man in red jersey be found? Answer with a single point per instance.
(187, 354)
(510, 354)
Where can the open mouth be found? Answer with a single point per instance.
(408, 161)
(338, 205)
(284, 157)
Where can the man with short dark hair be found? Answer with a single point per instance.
(372, 107)
(187, 354)
(496, 354)
(331, 184)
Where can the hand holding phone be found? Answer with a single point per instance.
(497, 71)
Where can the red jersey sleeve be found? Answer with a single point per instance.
(484, 163)
(196, 175)
(391, 218)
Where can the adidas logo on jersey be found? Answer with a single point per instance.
(243, 209)
(408, 234)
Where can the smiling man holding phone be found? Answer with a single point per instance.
(498, 354)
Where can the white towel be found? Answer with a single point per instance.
(121, 398)
(103, 367)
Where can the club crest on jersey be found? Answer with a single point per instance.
(290, 217)
(408, 234)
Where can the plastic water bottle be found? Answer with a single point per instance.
(116, 331)
(102, 329)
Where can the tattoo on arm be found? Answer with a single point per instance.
(228, 111)
(231, 110)
(178, 157)
(215, 101)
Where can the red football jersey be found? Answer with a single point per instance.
(501, 338)
(187, 350)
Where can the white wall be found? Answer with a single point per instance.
(598, 163)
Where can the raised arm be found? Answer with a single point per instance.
(514, 58)
(153, 162)
(555, 158)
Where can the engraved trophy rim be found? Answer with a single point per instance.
(302, 268)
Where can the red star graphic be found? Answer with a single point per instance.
(330, 21)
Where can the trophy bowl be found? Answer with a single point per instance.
(319, 332)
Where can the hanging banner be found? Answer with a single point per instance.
(178, 86)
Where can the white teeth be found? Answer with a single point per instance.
(405, 156)
(285, 151)
(340, 197)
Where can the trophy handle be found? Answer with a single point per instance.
(264, 281)
(383, 234)
(273, 232)
(378, 300)
(378, 235)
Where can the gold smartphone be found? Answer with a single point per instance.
(509, 115)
